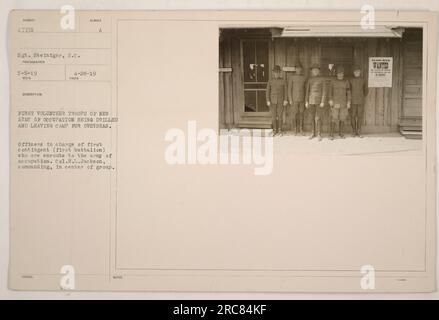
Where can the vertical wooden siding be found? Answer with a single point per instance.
(382, 105)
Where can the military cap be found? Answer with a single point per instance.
(340, 69)
(277, 68)
(315, 66)
(356, 67)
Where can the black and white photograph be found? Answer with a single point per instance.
(270, 151)
(325, 83)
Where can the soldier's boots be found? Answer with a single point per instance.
(359, 129)
(297, 123)
(341, 129)
(354, 128)
(331, 130)
(313, 134)
(279, 127)
(319, 132)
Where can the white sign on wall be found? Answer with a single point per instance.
(380, 72)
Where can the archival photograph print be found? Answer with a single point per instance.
(356, 88)
(220, 152)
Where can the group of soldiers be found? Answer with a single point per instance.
(344, 96)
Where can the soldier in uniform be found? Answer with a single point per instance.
(315, 95)
(296, 99)
(339, 101)
(276, 99)
(359, 91)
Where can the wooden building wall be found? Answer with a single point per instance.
(411, 110)
(383, 106)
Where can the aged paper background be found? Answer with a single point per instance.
(266, 238)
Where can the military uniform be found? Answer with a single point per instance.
(340, 94)
(315, 94)
(340, 100)
(359, 92)
(275, 94)
(296, 97)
